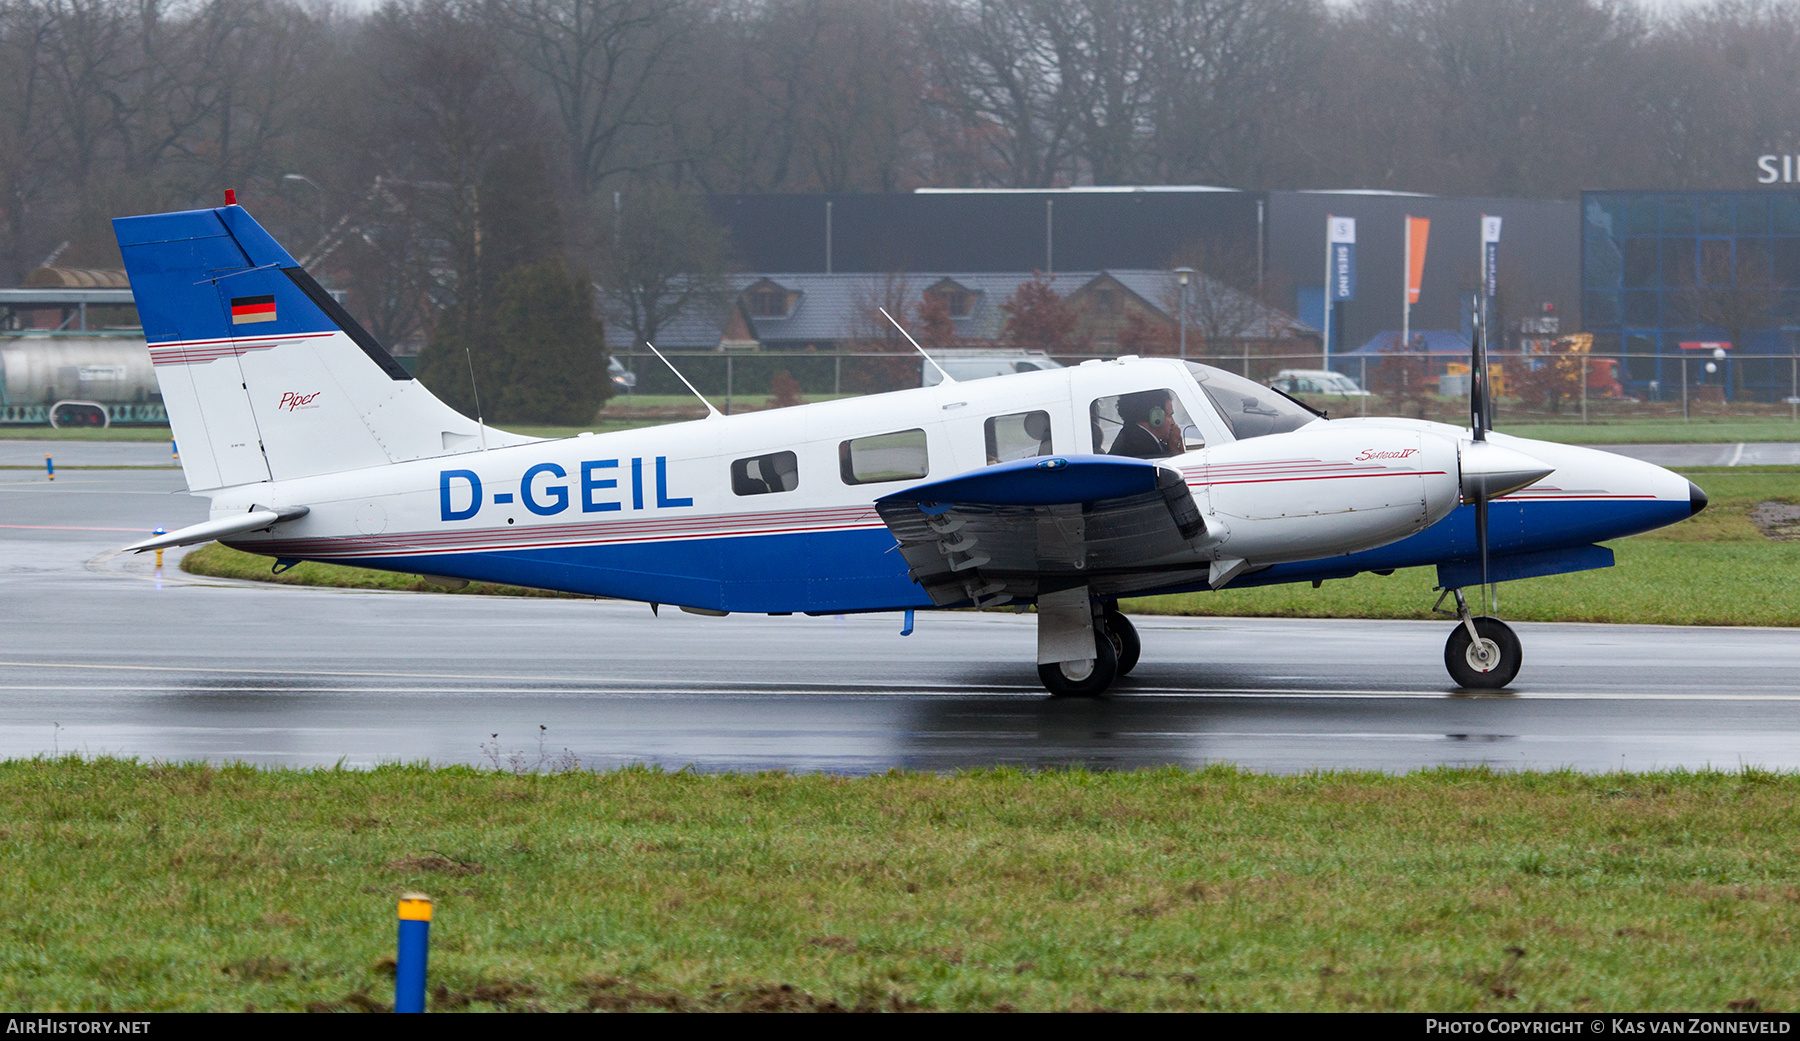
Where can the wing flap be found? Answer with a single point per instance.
(1013, 530)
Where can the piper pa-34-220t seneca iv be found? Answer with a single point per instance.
(1066, 488)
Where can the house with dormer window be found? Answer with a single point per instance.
(814, 311)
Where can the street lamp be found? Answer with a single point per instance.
(1182, 275)
(305, 179)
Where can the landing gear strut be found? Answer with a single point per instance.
(1482, 653)
(1083, 644)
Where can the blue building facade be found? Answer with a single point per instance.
(1661, 270)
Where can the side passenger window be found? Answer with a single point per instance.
(898, 456)
(762, 474)
(1018, 436)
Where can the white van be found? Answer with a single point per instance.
(1317, 381)
(977, 366)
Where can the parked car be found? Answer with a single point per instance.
(622, 378)
(1316, 381)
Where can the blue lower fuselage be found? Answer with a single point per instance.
(858, 569)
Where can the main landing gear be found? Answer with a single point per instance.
(1482, 653)
(1088, 644)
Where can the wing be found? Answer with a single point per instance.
(1013, 530)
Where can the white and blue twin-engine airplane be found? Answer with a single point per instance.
(1066, 489)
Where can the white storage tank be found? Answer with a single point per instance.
(38, 370)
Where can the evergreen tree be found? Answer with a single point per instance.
(552, 346)
(536, 355)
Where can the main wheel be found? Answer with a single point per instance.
(1088, 678)
(1124, 640)
(1463, 657)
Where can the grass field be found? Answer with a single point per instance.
(155, 887)
(224, 562)
(1655, 431)
(1713, 569)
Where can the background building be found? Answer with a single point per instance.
(976, 230)
(1669, 278)
(1267, 245)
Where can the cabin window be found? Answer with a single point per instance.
(762, 474)
(1020, 435)
(1146, 424)
(899, 456)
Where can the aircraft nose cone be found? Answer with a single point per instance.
(1696, 499)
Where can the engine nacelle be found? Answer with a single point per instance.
(1322, 491)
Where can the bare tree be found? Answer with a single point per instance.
(600, 61)
(1522, 97)
(667, 259)
(1106, 53)
(1233, 80)
(1726, 90)
(27, 133)
(997, 77)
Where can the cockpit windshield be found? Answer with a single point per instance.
(1247, 408)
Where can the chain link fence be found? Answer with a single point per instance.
(1530, 388)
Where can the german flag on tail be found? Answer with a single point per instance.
(248, 309)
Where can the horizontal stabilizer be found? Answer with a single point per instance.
(1038, 481)
(259, 518)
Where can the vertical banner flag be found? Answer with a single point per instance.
(1340, 232)
(1490, 254)
(1418, 230)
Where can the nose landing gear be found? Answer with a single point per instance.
(1482, 653)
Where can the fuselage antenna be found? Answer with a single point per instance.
(711, 412)
(480, 427)
(916, 347)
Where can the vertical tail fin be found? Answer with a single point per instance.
(264, 375)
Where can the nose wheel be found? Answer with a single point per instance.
(1482, 653)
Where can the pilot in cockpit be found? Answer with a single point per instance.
(1151, 430)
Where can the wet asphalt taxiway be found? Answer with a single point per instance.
(99, 654)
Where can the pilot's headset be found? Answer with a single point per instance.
(1158, 416)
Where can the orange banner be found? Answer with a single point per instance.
(1418, 230)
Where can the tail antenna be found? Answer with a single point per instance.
(710, 411)
(916, 347)
(480, 426)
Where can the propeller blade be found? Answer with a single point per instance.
(1481, 539)
(1478, 384)
(1488, 470)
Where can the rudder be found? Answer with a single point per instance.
(263, 374)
